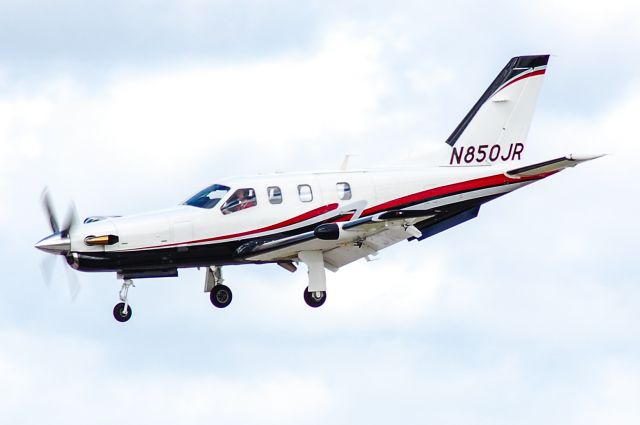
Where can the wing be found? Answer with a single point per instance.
(360, 238)
(350, 241)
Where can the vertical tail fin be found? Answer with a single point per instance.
(496, 128)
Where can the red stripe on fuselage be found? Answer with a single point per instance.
(297, 219)
(465, 186)
(425, 195)
(522, 77)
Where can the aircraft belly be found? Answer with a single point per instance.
(152, 259)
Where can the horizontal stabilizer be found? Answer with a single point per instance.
(551, 165)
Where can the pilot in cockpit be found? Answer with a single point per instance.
(240, 200)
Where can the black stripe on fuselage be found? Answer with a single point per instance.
(219, 253)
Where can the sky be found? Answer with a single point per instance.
(527, 314)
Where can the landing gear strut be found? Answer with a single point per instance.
(220, 294)
(122, 311)
(316, 293)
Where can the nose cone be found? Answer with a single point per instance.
(54, 244)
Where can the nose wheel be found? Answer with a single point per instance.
(122, 311)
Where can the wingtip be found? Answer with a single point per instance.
(585, 157)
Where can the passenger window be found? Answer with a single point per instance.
(275, 195)
(306, 195)
(344, 191)
(240, 200)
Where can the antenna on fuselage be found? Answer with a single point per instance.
(345, 161)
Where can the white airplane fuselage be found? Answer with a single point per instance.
(190, 236)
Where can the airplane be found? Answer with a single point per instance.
(324, 220)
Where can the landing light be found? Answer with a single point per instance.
(101, 240)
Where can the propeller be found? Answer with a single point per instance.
(48, 208)
(58, 243)
(69, 221)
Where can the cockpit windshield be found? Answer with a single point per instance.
(209, 197)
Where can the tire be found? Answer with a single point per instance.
(312, 299)
(118, 312)
(221, 296)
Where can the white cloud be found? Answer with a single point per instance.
(611, 132)
(171, 117)
(591, 19)
(275, 103)
(67, 380)
(383, 294)
(190, 116)
(614, 394)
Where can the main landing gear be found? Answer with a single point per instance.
(219, 294)
(314, 299)
(316, 293)
(122, 311)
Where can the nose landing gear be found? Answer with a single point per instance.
(122, 311)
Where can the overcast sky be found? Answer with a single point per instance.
(528, 314)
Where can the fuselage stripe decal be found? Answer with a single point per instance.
(402, 202)
(298, 219)
(520, 78)
(451, 189)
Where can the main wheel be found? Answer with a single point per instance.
(119, 313)
(314, 299)
(221, 296)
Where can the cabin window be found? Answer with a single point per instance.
(240, 200)
(275, 194)
(344, 191)
(306, 195)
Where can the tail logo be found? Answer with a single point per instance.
(485, 153)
